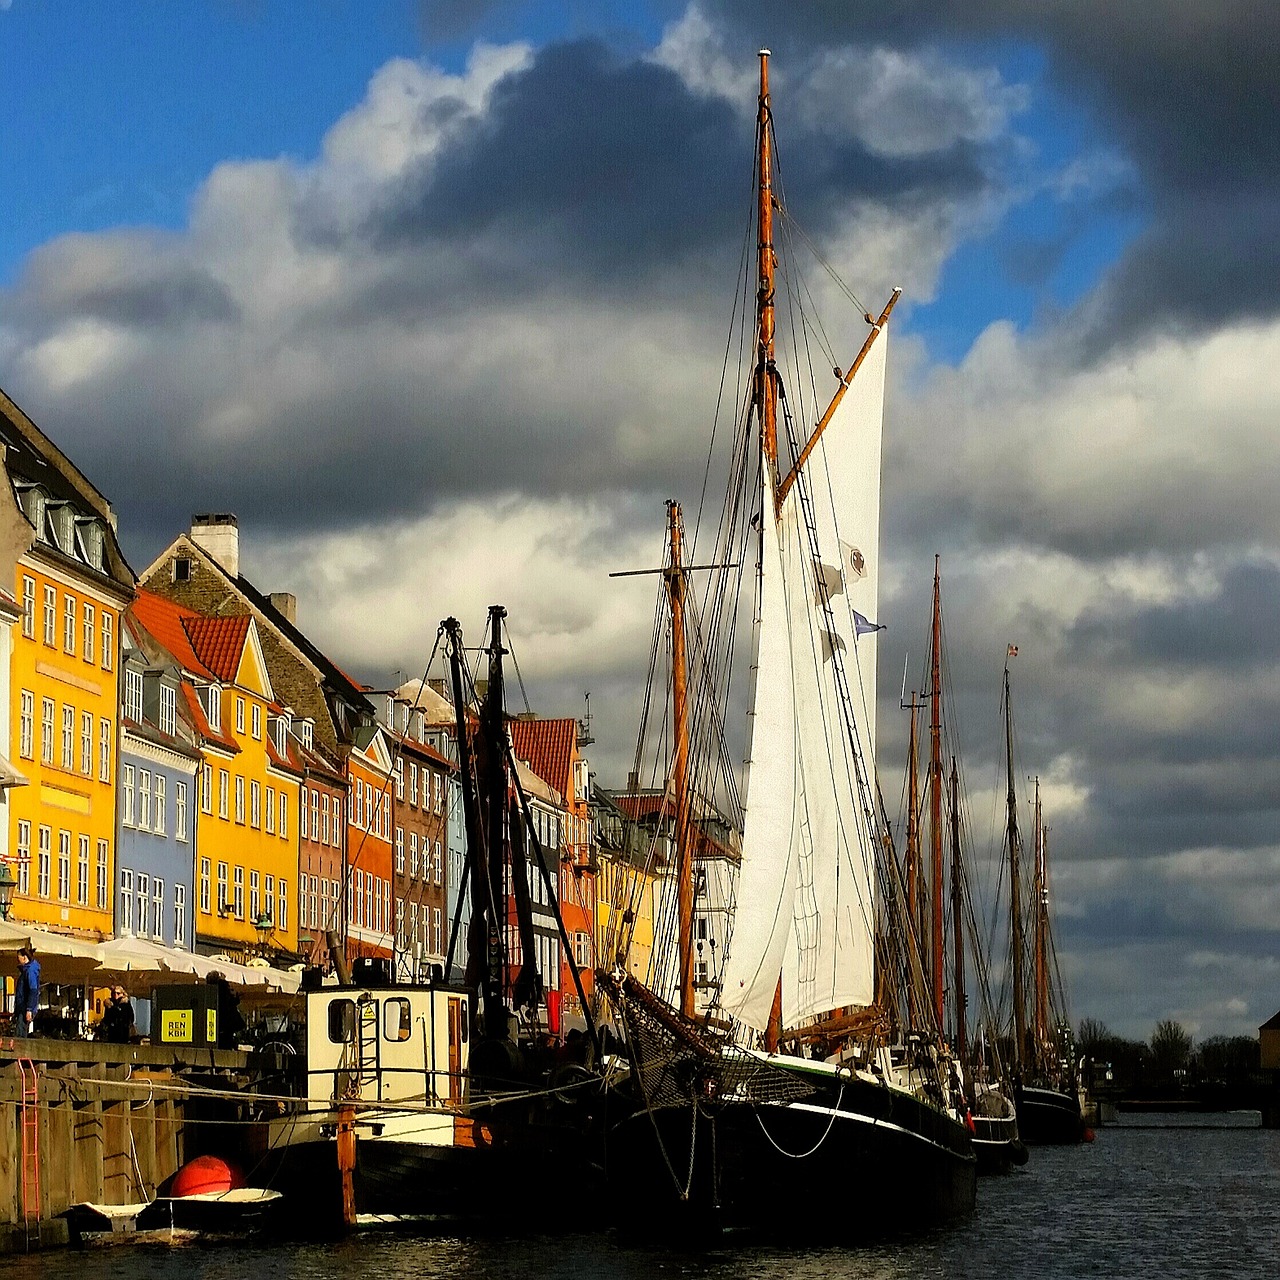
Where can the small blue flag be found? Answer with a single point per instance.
(864, 626)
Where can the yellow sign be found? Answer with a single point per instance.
(211, 1025)
(177, 1026)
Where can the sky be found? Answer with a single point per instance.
(434, 297)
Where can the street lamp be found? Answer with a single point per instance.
(8, 883)
(265, 928)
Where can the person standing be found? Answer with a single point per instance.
(26, 992)
(117, 1018)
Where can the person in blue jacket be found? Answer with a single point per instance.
(26, 992)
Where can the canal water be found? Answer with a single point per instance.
(1164, 1202)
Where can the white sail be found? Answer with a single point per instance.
(806, 903)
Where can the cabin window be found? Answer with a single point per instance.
(396, 1019)
(342, 1021)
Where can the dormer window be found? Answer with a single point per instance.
(211, 697)
(33, 499)
(62, 526)
(182, 569)
(168, 709)
(306, 733)
(279, 729)
(133, 695)
(90, 541)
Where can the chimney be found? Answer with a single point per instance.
(218, 533)
(285, 603)
(633, 782)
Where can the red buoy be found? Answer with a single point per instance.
(203, 1174)
(1089, 1135)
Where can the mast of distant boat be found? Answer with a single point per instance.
(935, 800)
(1015, 885)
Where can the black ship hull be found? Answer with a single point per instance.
(997, 1145)
(1049, 1117)
(854, 1161)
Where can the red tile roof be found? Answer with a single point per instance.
(547, 746)
(219, 642)
(164, 620)
(641, 806)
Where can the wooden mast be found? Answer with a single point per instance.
(935, 798)
(957, 919)
(1015, 888)
(680, 770)
(1041, 974)
(915, 898)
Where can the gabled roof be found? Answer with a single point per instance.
(644, 805)
(165, 622)
(547, 746)
(219, 642)
(1272, 1023)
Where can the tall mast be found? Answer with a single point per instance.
(915, 896)
(766, 374)
(1038, 937)
(680, 771)
(957, 917)
(1015, 888)
(935, 794)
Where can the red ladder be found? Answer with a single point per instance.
(30, 1079)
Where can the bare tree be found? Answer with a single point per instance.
(1170, 1048)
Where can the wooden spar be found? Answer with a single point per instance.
(1041, 974)
(766, 373)
(790, 478)
(773, 1031)
(935, 799)
(1015, 890)
(915, 897)
(957, 921)
(680, 769)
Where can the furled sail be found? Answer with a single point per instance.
(806, 903)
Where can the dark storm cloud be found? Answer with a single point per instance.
(454, 19)
(1190, 89)
(609, 168)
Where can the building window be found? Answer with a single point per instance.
(143, 883)
(24, 857)
(50, 616)
(437, 785)
(255, 896)
(70, 624)
(224, 902)
(161, 822)
(144, 799)
(27, 726)
(213, 707)
(438, 869)
(88, 646)
(68, 736)
(399, 779)
(255, 804)
(239, 714)
(435, 932)
(206, 787)
(270, 813)
(133, 695)
(180, 810)
(86, 743)
(108, 633)
(204, 885)
(29, 607)
(168, 710)
(46, 730)
(320, 804)
(104, 750)
(268, 888)
(413, 785)
(126, 900)
(179, 915)
(256, 720)
(239, 892)
(101, 871)
(284, 816)
(303, 801)
(413, 855)
(224, 794)
(582, 949)
(64, 866)
(399, 851)
(157, 909)
(182, 568)
(240, 800)
(126, 795)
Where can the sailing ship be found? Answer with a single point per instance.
(445, 1101)
(810, 1056)
(1042, 1050)
(988, 1093)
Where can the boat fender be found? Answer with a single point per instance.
(1089, 1135)
(968, 1122)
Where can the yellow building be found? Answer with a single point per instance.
(628, 889)
(71, 582)
(246, 811)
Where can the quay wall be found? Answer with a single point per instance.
(109, 1123)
